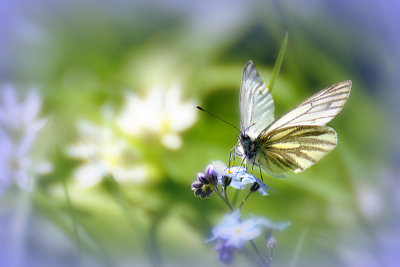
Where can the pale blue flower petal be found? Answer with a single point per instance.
(240, 177)
(271, 225)
(23, 179)
(234, 231)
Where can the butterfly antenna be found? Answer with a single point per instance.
(249, 127)
(215, 116)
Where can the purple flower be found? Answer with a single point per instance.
(205, 183)
(226, 253)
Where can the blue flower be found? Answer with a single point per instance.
(234, 231)
(271, 225)
(239, 177)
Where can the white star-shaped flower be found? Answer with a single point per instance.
(161, 113)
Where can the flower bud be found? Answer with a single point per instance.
(254, 187)
(211, 175)
(271, 242)
(226, 181)
(202, 187)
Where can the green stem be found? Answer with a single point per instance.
(278, 63)
(149, 243)
(244, 200)
(235, 197)
(224, 199)
(262, 261)
(298, 248)
(73, 219)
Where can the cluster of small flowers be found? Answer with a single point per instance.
(217, 173)
(232, 234)
(19, 127)
(106, 149)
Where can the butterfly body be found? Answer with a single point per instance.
(249, 146)
(296, 140)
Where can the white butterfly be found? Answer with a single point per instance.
(294, 141)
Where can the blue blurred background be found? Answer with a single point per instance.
(118, 81)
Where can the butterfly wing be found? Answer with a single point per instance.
(317, 110)
(294, 148)
(300, 138)
(255, 102)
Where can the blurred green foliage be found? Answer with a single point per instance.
(90, 59)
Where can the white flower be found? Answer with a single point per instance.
(104, 153)
(239, 175)
(19, 126)
(161, 113)
(19, 118)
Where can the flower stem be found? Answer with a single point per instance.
(270, 257)
(235, 197)
(262, 261)
(278, 63)
(74, 224)
(151, 247)
(18, 229)
(298, 248)
(224, 198)
(244, 199)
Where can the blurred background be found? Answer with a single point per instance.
(119, 82)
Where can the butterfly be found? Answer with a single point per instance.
(296, 140)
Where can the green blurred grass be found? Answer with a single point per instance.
(90, 65)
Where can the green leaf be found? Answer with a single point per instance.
(278, 63)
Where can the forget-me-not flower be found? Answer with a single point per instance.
(239, 177)
(234, 231)
(205, 183)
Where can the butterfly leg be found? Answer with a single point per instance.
(232, 154)
(261, 175)
(241, 164)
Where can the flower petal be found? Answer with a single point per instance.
(275, 226)
(88, 175)
(23, 179)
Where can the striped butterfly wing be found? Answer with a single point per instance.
(317, 110)
(300, 138)
(294, 148)
(255, 103)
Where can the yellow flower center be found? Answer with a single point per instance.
(165, 125)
